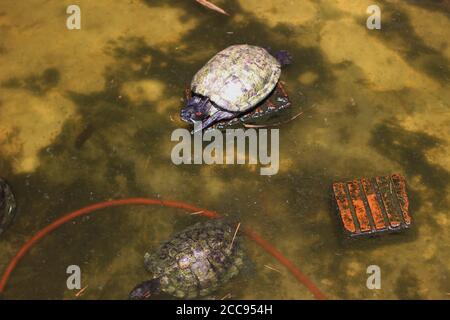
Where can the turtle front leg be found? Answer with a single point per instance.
(219, 115)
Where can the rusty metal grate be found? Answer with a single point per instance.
(371, 206)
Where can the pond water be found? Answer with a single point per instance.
(86, 116)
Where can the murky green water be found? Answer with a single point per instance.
(87, 115)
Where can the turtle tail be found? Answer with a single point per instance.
(283, 57)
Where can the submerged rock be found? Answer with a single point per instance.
(7, 206)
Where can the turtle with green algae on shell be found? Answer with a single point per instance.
(7, 206)
(232, 84)
(194, 263)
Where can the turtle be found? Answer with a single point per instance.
(232, 84)
(193, 263)
(7, 205)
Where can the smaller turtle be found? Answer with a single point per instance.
(7, 205)
(193, 263)
(233, 83)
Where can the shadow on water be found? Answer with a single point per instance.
(408, 149)
(442, 6)
(398, 32)
(407, 286)
(36, 84)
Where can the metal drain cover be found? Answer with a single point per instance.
(370, 206)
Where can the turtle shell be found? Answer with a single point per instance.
(238, 78)
(277, 101)
(196, 261)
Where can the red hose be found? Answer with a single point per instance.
(302, 278)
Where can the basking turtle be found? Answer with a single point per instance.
(278, 100)
(7, 205)
(233, 83)
(194, 263)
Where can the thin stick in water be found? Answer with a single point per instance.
(79, 293)
(278, 123)
(227, 296)
(234, 237)
(212, 6)
(272, 268)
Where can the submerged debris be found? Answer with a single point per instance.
(81, 292)
(227, 296)
(372, 206)
(234, 236)
(248, 125)
(7, 206)
(271, 268)
(197, 212)
(84, 135)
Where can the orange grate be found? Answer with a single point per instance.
(372, 206)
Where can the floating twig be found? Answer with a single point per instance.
(79, 293)
(195, 213)
(234, 237)
(278, 123)
(272, 268)
(227, 296)
(212, 6)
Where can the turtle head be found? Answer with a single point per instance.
(197, 109)
(145, 290)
